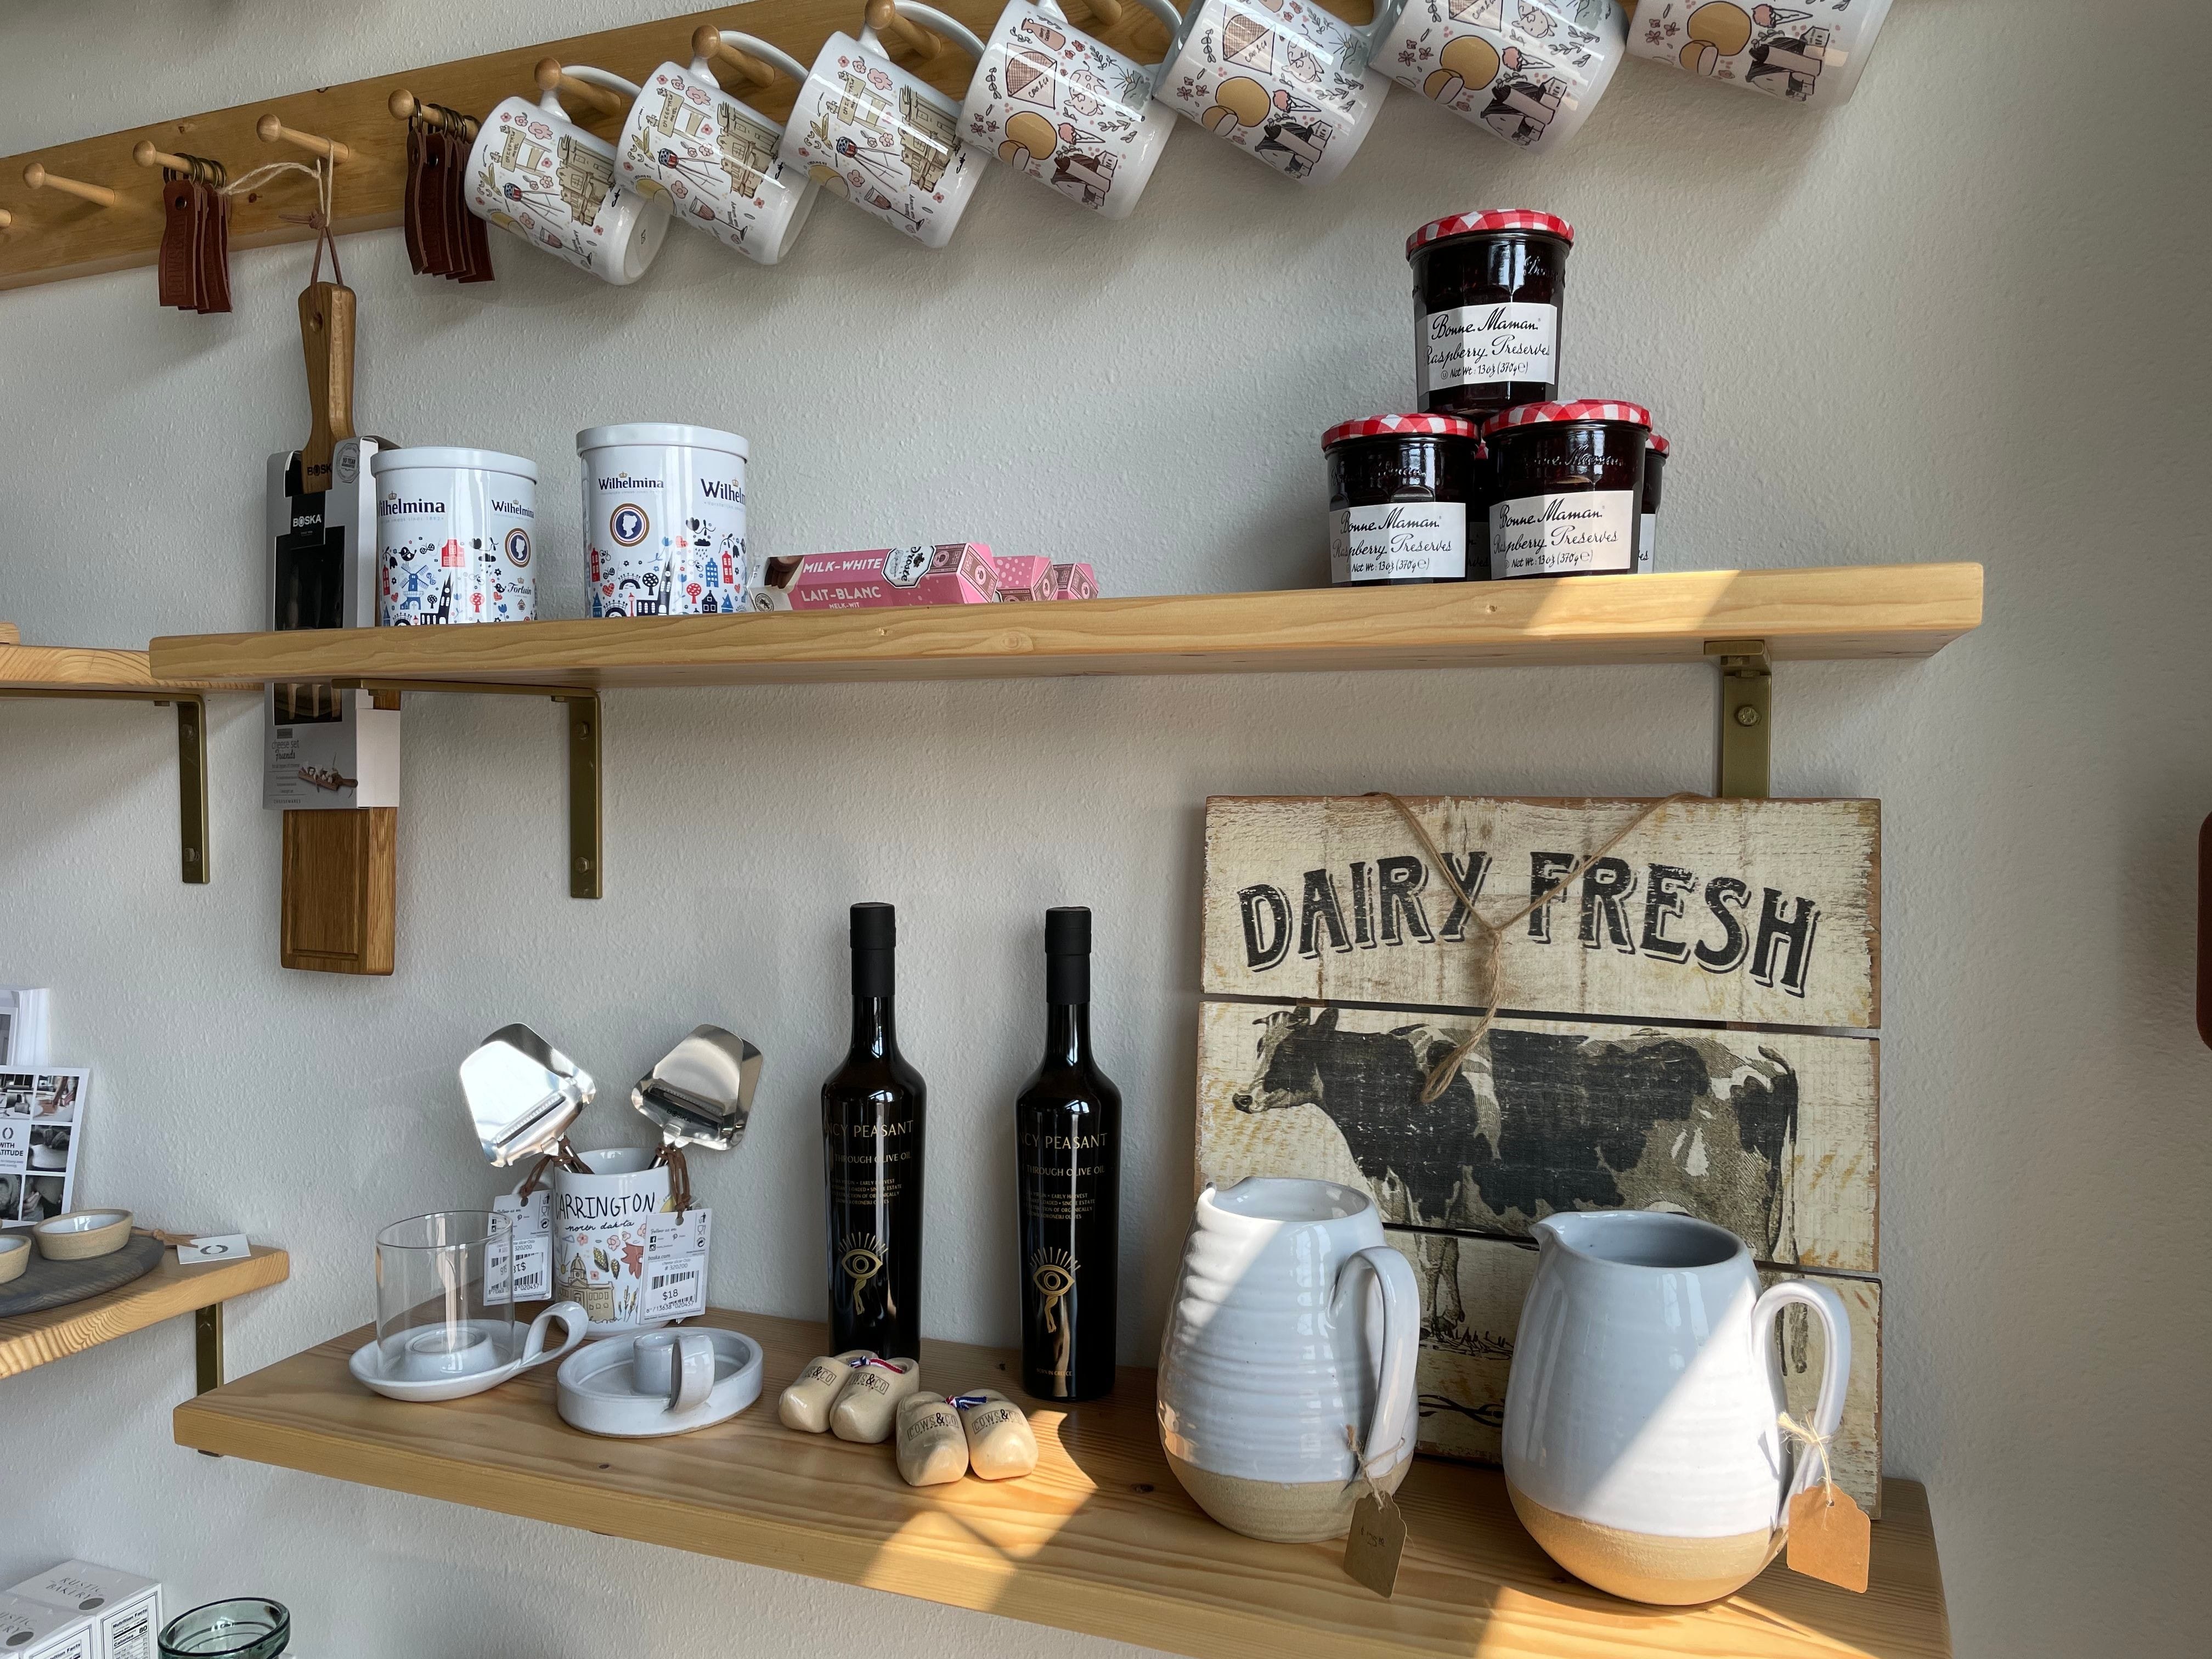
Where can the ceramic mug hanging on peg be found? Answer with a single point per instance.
(882, 138)
(1067, 110)
(1809, 51)
(535, 172)
(1528, 70)
(1281, 79)
(713, 155)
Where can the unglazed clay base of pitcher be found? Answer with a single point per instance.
(1280, 1512)
(1668, 1572)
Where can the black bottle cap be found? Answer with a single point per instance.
(875, 927)
(1067, 932)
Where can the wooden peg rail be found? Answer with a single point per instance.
(707, 42)
(54, 236)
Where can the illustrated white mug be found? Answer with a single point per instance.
(1055, 104)
(715, 156)
(1529, 71)
(536, 172)
(1283, 79)
(886, 140)
(1810, 52)
(601, 1222)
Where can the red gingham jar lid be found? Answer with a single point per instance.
(1468, 224)
(1586, 409)
(1399, 426)
(1659, 446)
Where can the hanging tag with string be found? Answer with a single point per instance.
(1830, 1536)
(1377, 1534)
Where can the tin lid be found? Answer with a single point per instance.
(1409, 426)
(465, 460)
(661, 432)
(1659, 445)
(1474, 224)
(1585, 409)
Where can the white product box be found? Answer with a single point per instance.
(125, 1609)
(34, 1630)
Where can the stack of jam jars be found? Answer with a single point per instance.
(1494, 477)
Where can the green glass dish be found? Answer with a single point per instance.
(250, 1627)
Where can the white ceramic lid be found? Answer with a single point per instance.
(661, 432)
(467, 460)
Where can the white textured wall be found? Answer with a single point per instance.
(1961, 320)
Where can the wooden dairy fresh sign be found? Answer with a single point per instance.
(1341, 969)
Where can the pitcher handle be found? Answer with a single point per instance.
(1392, 1429)
(1835, 1367)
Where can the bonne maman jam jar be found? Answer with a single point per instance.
(1488, 290)
(1567, 488)
(1655, 476)
(1406, 501)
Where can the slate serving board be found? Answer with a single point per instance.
(56, 1284)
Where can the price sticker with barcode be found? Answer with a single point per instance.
(533, 1263)
(676, 1265)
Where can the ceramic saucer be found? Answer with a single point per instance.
(515, 1350)
(597, 1391)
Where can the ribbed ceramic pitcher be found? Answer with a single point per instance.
(1292, 1321)
(1642, 1448)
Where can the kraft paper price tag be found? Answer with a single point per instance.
(1372, 1547)
(1830, 1540)
(533, 1263)
(216, 1247)
(676, 1265)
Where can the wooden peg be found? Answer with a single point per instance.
(1105, 13)
(707, 42)
(404, 104)
(146, 155)
(551, 75)
(38, 178)
(884, 17)
(268, 129)
(6, 218)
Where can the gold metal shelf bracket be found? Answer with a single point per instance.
(192, 761)
(1747, 718)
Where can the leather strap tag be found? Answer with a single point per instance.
(435, 222)
(411, 211)
(214, 251)
(180, 242)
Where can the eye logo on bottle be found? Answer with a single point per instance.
(861, 1256)
(630, 526)
(517, 548)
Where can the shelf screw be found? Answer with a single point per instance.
(583, 866)
(1747, 716)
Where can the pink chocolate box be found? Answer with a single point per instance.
(1074, 581)
(954, 573)
(1027, 577)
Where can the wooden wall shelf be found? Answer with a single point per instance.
(101, 675)
(56, 236)
(1100, 1539)
(29, 1340)
(1854, 611)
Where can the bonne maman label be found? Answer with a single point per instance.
(1751, 910)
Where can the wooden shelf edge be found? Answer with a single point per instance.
(1839, 613)
(28, 1340)
(92, 670)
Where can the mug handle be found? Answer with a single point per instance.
(775, 56)
(694, 1370)
(951, 27)
(1835, 1367)
(575, 1323)
(1392, 1429)
(1367, 38)
(550, 99)
(1160, 9)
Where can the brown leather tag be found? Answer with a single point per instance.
(180, 241)
(1377, 1540)
(461, 264)
(475, 241)
(1830, 1537)
(411, 211)
(214, 251)
(439, 255)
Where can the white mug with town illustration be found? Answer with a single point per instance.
(1283, 79)
(1055, 104)
(1810, 52)
(536, 172)
(601, 1222)
(714, 157)
(886, 140)
(1528, 70)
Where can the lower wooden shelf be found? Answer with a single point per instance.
(28, 1339)
(1100, 1539)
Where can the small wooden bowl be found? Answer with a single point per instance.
(15, 1255)
(82, 1234)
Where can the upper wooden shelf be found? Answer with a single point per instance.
(1100, 1539)
(28, 1339)
(1852, 611)
(86, 671)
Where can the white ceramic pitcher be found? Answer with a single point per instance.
(1292, 1321)
(1642, 1444)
